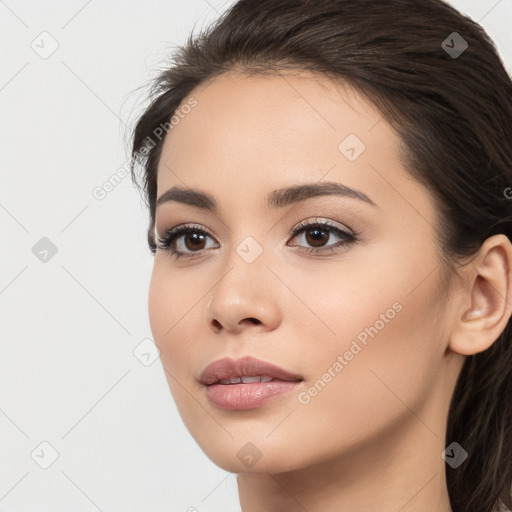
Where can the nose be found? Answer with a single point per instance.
(246, 297)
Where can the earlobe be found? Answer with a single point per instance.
(487, 289)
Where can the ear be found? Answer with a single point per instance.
(486, 304)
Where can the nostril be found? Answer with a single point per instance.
(252, 321)
(218, 326)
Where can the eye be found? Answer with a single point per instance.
(191, 240)
(318, 233)
(181, 239)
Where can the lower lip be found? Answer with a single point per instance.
(242, 397)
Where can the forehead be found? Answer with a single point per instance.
(286, 105)
(249, 135)
(270, 123)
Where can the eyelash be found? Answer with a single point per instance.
(166, 242)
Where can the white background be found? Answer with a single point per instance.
(68, 327)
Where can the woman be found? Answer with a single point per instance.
(328, 185)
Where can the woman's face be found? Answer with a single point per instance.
(357, 316)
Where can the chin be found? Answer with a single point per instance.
(248, 457)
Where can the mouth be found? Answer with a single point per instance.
(246, 383)
(245, 370)
(245, 379)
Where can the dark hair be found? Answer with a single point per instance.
(452, 113)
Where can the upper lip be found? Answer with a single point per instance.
(246, 366)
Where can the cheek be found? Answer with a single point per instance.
(376, 344)
(381, 381)
(174, 305)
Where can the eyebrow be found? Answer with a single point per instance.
(276, 199)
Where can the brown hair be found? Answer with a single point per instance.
(452, 112)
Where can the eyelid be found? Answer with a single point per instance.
(298, 227)
(193, 226)
(167, 240)
(323, 222)
(347, 237)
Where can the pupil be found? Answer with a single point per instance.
(318, 237)
(197, 240)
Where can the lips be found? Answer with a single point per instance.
(247, 366)
(246, 383)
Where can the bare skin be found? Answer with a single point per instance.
(371, 437)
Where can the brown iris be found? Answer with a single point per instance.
(197, 240)
(319, 237)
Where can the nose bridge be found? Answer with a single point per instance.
(245, 267)
(248, 240)
(243, 292)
